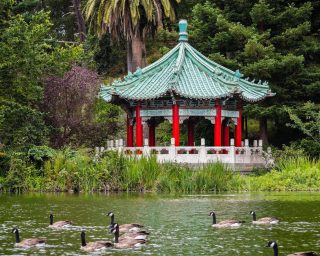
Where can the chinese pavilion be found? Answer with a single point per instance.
(180, 86)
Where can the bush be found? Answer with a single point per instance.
(293, 174)
(310, 147)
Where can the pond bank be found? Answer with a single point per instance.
(75, 170)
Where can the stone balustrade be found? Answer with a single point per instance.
(243, 157)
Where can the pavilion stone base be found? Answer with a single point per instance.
(242, 159)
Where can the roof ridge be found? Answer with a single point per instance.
(177, 67)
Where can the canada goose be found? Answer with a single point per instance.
(125, 228)
(27, 243)
(225, 223)
(122, 242)
(59, 224)
(93, 246)
(265, 220)
(274, 245)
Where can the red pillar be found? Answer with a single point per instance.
(190, 132)
(238, 128)
(152, 134)
(226, 135)
(217, 125)
(139, 129)
(175, 124)
(129, 133)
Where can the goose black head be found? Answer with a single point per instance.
(16, 231)
(253, 213)
(111, 215)
(272, 244)
(214, 221)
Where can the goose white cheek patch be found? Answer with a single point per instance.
(272, 245)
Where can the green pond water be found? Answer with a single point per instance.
(178, 225)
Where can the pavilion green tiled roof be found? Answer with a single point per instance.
(185, 72)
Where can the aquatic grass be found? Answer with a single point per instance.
(80, 170)
(291, 174)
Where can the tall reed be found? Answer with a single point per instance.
(79, 170)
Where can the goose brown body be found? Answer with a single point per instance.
(94, 246)
(225, 223)
(134, 235)
(126, 241)
(265, 220)
(30, 242)
(125, 228)
(27, 243)
(59, 224)
(133, 227)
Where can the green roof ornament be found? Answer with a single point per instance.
(183, 35)
(237, 74)
(138, 72)
(128, 77)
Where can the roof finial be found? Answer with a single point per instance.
(183, 35)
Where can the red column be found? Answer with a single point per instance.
(152, 134)
(226, 136)
(139, 129)
(190, 132)
(129, 133)
(238, 128)
(175, 124)
(217, 125)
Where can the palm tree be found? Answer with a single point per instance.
(130, 20)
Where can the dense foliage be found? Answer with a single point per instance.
(268, 40)
(51, 68)
(44, 169)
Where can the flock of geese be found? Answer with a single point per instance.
(133, 235)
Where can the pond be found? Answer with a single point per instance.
(178, 225)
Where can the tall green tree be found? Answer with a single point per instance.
(26, 58)
(131, 21)
(270, 40)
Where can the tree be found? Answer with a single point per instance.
(26, 58)
(306, 119)
(80, 20)
(21, 126)
(131, 21)
(68, 100)
(269, 40)
(71, 105)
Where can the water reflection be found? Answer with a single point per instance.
(179, 224)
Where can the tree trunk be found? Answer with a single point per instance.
(264, 130)
(129, 56)
(159, 13)
(80, 20)
(138, 53)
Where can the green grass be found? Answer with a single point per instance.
(79, 171)
(291, 174)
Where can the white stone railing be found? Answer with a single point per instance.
(202, 154)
